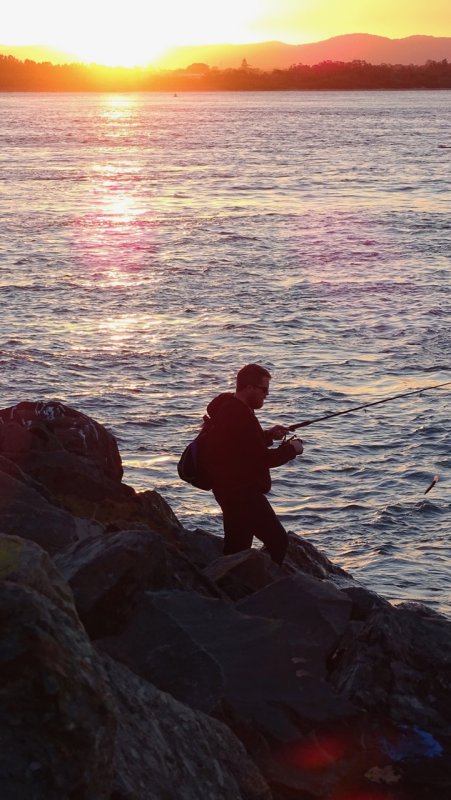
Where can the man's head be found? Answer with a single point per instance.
(252, 385)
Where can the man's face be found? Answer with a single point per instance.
(258, 392)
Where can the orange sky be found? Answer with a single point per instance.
(138, 31)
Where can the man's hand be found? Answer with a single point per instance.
(298, 445)
(277, 432)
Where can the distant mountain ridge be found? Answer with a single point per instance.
(278, 55)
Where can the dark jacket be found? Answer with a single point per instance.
(237, 452)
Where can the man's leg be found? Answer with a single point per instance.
(237, 532)
(249, 514)
(267, 527)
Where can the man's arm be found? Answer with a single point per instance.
(284, 453)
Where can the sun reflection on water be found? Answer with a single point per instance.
(119, 106)
(110, 242)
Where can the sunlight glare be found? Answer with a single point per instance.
(136, 33)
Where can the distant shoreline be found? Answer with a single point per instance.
(181, 92)
(31, 76)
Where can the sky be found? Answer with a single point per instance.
(136, 32)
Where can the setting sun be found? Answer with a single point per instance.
(135, 33)
(139, 32)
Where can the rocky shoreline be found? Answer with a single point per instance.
(138, 663)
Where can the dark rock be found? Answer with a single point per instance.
(57, 724)
(200, 546)
(158, 513)
(302, 555)
(363, 601)
(318, 609)
(74, 462)
(75, 482)
(29, 428)
(335, 693)
(13, 470)
(205, 653)
(109, 573)
(121, 508)
(24, 512)
(244, 573)
(74, 725)
(165, 750)
(25, 563)
(399, 665)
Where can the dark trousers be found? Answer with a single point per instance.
(247, 513)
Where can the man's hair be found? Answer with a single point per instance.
(250, 374)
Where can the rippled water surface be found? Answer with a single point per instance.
(150, 245)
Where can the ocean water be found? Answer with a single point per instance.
(150, 245)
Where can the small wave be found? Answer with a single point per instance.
(428, 507)
(147, 423)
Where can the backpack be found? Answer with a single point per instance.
(190, 467)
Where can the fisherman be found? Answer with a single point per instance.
(238, 459)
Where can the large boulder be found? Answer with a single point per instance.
(109, 573)
(398, 663)
(26, 513)
(57, 724)
(166, 751)
(74, 462)
(320, 612)
(242, 574)
(207, 654)
(14, 471)
(74, 724)
(29, 429)
(25, 563)
(303, 556)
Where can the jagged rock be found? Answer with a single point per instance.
(32, 428)
(319, 611)
(399, 664)
(109, 573)
(26, 563)
(166, 751)
(200, 546)
(363, 600)
(205, 653)
(158, 513)
(74, 462)
(75, 482)
(244, 573)
(74, 724)
(121, 508)
(24, 512)
(57, 724)
(302, 555)
(14, 471)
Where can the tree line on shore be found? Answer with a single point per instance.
(20, 76)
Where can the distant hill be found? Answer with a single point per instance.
(277, 55)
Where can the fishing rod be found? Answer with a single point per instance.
(364, 405)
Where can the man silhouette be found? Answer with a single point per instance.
(239, 457)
